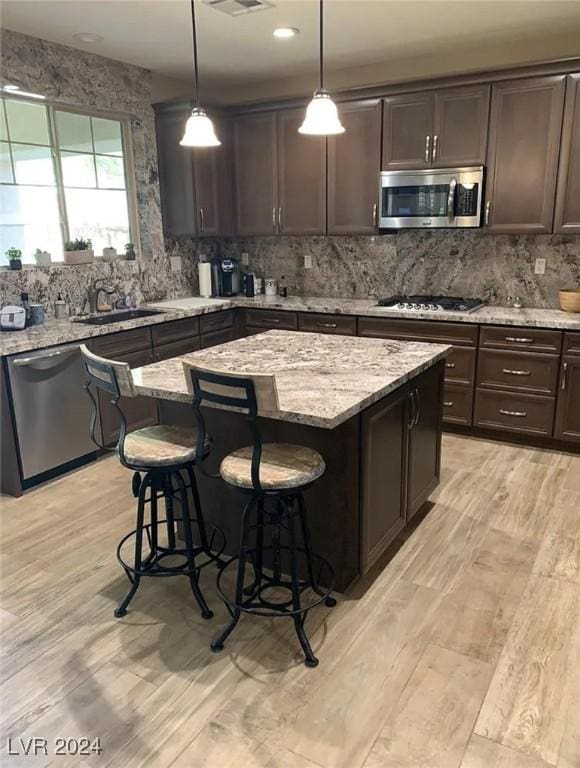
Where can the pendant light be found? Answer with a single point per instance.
(199, 130)
(321, 117)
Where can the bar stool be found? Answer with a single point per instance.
(274, 476)
(158, 456)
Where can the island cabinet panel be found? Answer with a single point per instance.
(460, 126)
(342, 325)
(301, 177)
(568, 406)
(176, 181)
(524, 142)
(383, 463)
(407, 130)
(354, 162)
(567, 217)
(255, 197)
(425, 427)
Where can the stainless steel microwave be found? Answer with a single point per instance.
(446, 197)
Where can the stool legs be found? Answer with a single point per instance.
(299, 618)
(135, 578)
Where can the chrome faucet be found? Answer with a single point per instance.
(93, 292)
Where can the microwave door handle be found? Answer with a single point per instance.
(451, 200)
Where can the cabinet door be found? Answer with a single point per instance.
(255, 202)
(139, 411)
(301, 177)
(460, 127)
(354, 162)
(384, 453)
(524, 140)
(175, 175)
(407, 131)
(213, 177)
(568, 193)
(425, 425)
(568, 404)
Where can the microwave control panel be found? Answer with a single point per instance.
(466, 200)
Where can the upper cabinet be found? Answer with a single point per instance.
(567, 218)
(195, 183)
(256, 195)
(524, 140)
(280, 175)
(436, 129)
(301, 177)
(353, 170)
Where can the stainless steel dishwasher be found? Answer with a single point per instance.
(51, 409)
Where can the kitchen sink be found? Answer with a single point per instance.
(118, 317)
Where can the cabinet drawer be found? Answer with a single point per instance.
(216, 321)
(178, 329)
(571, 344)
(217, 337)
(510, 412)
(177, 348)
(462, 334)
(458, 404)
(272, 318)
(115, 345)
(518, 371)
(510, 337)
(321, 323)
(460, 365)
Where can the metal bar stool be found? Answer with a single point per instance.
(159, 456)
(274, 476)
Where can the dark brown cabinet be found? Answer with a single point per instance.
(255, 199)
(443, 128)
(568, 404)
(342, 325)
(524, 141)
(212, 170)
(354, 163)
(567, 218)
(301, 177)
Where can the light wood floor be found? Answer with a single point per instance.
(463, 652)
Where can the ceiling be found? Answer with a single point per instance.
(234, 51)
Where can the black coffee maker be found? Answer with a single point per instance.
(225, 277)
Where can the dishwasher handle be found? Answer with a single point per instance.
(57, 355)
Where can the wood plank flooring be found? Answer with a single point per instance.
(461, 650)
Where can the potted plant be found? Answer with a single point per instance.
(109, 253)
(78, 251)
(130, 252)
(42, 258)
(15, 258)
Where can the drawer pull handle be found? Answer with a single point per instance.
(564, 372)
(520, 414)
(450, 365)
(519, 339)
(515, 372)
(448, 403)
(326, 325)
(275, 320)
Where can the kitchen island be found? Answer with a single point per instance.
(371, 407)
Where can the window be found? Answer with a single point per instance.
(63, 175)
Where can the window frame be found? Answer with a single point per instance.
(124, 119)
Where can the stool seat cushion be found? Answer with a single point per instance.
(282, 466)
(161, 446)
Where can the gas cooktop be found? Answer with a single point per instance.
(431, 303)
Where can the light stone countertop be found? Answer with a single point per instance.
(322, 380)
(56, 332)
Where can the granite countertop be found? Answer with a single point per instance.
(68, 331)
(322, 380)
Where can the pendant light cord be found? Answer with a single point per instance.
(321, 48)
(195, 68)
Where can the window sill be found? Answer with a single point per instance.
(97, 261)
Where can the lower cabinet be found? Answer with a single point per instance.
(568, 408)
(217, 337)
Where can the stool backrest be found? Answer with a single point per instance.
(113, 377)
(252, 394)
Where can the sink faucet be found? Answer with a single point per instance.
(93, 293)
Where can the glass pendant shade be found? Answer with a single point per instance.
(321, 117)
(199, 130)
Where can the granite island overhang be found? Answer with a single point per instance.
(371, 407)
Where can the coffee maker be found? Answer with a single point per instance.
(230, 277)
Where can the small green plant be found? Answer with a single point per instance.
(13, 254)
(130, 247)
(78, 245)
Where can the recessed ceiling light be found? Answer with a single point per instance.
(285, 32)
(11, 88)
(88, 37)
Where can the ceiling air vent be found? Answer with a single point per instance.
(239, 7)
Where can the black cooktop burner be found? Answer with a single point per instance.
(431, 303)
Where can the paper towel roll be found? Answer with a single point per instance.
(204, 272)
